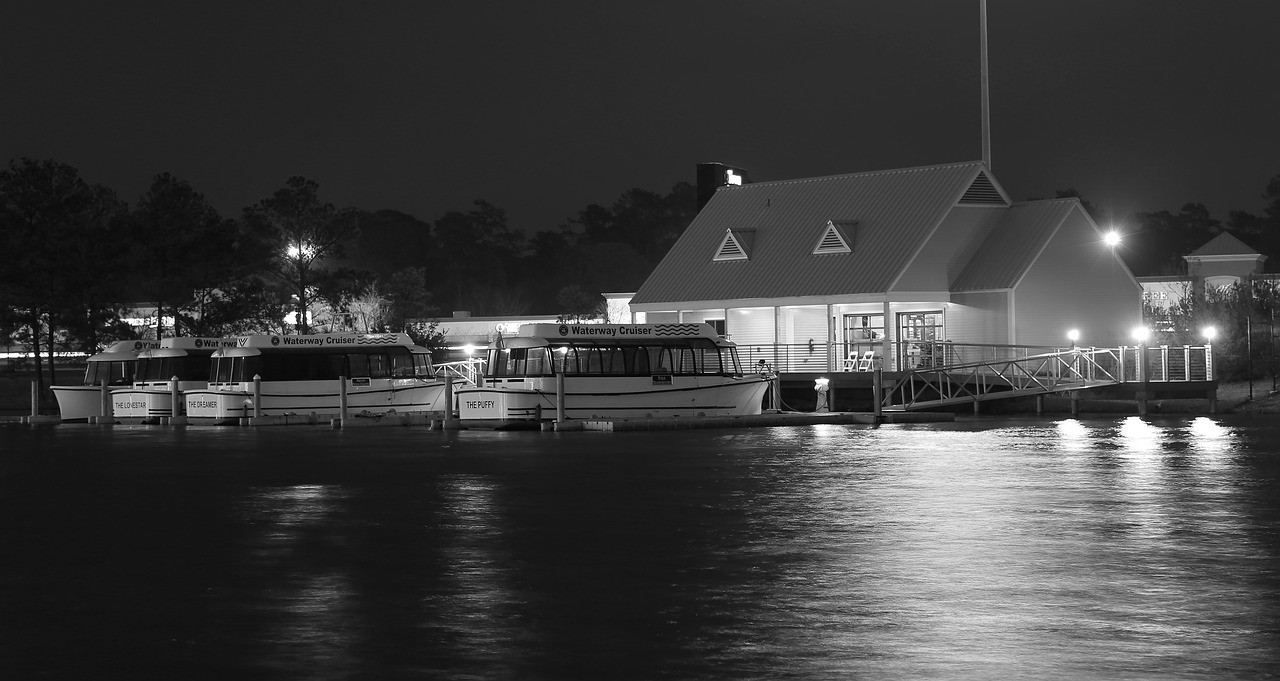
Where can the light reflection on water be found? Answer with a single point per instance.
(1095, 548)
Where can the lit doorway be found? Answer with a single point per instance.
(863, 333)
(919, 336)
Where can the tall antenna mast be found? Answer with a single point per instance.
(986, 96)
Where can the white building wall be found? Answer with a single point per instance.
(1077, 282)
(978, 318)
(949, 250)
(749, 326)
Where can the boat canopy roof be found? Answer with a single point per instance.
(196, 343)
(162, 352)
(236, 352)
(629, 332)
(520, 342)
(326, 340)
(122, 351)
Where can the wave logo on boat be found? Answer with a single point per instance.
(564, 330)
(275, 340)
(675, 329)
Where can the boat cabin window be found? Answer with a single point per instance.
(518, 362)
(188, 368)
(683, 356)
(413, 365)
(368, 365)
(114, 373)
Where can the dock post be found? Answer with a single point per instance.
(1039, 405)
(342, 397)
(560, 417)
(257, 395)
(108, 410)
(35, 397)
(174, 410)
(877, 392)
(1075, 403)
(448, 396)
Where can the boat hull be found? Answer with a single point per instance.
(525, 403)
(78, 402)
(235, 401)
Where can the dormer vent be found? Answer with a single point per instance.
(836, 238)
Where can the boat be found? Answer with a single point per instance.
(186, 359)
(610, 371)
(113, 367)
(282, 375)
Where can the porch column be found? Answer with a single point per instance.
(887, 360)
(833, 362)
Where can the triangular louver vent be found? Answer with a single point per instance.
(833, 240)
(730, 248)
(982, 191)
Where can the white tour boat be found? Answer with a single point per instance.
(610, 371)
(151, 395)
(302, 375)
(113, 366)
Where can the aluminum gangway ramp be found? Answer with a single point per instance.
(1041, 374)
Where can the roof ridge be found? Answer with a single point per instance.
(864, 173)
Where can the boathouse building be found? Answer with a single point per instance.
(892, 269)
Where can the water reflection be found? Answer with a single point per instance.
(1097, 548)
(311, 600)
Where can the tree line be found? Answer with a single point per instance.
(77, 256)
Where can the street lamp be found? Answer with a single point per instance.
(1111, 238)
(1074, 335)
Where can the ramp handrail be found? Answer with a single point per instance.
(469, 370)
(1043, 373)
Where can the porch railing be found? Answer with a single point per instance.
(1163, 362)
(869, 355)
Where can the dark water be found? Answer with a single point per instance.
(1112, 548)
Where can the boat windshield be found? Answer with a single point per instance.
(117, 372)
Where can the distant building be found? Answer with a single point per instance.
(890, 263)
(1224, 261)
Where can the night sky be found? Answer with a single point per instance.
(542, 108)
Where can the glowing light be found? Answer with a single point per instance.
(1074, 335)
(733, 178)
(1111, 238)
(1140, 333)
(821, 382)
(469, 349)
(1209, 333)
(300, 250)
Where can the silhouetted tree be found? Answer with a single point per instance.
(183, 244)
(302, 233)
(61, 241)
(474, 253)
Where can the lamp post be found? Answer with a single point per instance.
(1209, 334)
(1140, 335)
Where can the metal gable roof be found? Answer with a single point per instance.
(1014, 244)
(896, 211)
(1223, 244)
